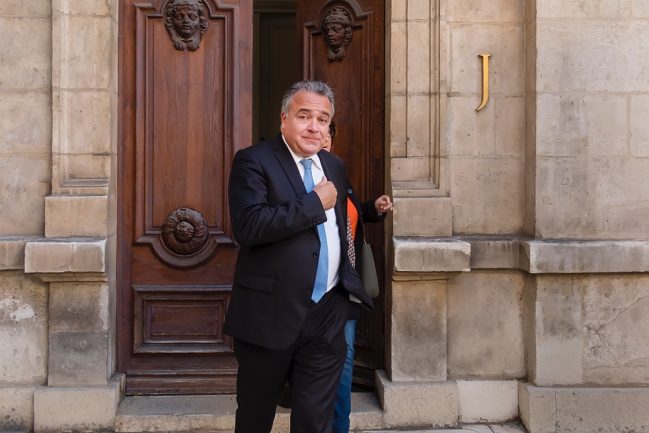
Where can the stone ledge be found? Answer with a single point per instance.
(580, 257)
(75, 255)
(12, 251)
(494, 252)
(583, 410)
(413, 254)
(429, 256)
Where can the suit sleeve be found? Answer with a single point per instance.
(370, 214)
(255, 220)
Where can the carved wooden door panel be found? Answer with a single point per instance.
(184, 109)
(341, 43)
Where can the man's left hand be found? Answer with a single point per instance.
(383, 204)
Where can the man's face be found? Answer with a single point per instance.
(306, 123)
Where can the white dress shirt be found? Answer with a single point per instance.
(331, 225)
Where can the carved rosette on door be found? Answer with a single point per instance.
(184, 239)
(184, 232)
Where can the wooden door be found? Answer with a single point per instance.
(184, 109)
(341, 43)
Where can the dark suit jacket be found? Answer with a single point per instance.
(274, 222)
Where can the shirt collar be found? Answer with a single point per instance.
(297, 158)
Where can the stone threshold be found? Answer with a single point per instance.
(215, 414)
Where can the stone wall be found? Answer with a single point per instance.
(23, 338)
(526, 238)
(458, 178)
(487, 193)
(519, 249)
(485, 325)
(586, 324)
(486, 147)
(591, 100)
(592, 330)
(58, 141)
(77, 257)
(25, 174)
(25, 115)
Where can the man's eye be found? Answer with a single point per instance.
(302, 117)
(323, 121)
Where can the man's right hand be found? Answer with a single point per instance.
(327, 193)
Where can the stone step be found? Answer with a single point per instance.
(215, 413)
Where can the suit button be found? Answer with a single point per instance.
(315, 255)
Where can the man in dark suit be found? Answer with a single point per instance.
(292, 282)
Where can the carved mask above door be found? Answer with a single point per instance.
(337, 31)
(186, 22)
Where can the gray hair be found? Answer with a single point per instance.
(317, 87)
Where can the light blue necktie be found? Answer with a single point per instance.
(320, 285)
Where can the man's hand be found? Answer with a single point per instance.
(327, 193)
(383, 204)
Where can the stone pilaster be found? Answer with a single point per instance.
(81, 348)
(74, 257)
(414, 112)
(454, 170)
(415, 390)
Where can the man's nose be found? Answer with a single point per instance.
(313, 125)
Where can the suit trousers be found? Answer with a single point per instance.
(312, 365)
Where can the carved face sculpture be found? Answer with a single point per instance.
(335, 35)
(186, 20)
(337, 31)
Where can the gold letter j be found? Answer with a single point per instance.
(485, 80)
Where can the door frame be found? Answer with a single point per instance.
(119, 214)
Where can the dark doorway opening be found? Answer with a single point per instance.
(274, 63)
(288, 46)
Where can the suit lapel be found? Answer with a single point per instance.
(287, 163)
